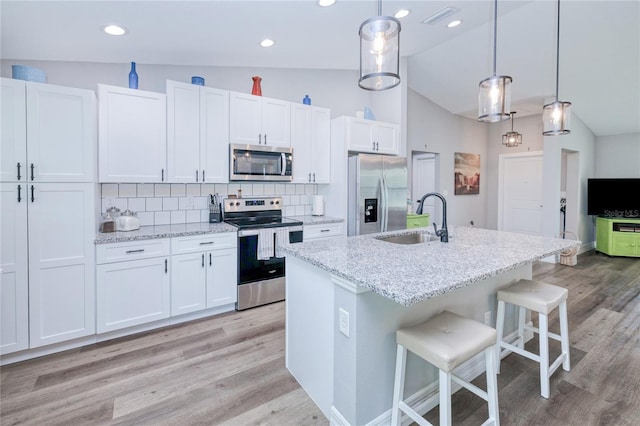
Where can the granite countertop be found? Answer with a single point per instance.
(182, 230)
(163, 231)
(411, 273)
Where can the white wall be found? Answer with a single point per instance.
(531, 129)
(618, 156)
(334, 89)
(582, 140)
(431, 128)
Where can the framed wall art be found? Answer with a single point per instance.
(466, 172)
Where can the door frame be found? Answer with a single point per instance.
(501, 178)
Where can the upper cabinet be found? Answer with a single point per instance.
(311, 143)
(256, 120)
(372, 136)
(132, 135)
(197, 133)
(48, 133)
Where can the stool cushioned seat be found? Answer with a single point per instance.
(447, 340)
(534, 295)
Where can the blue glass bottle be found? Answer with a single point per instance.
(133, 77)
(306, 100)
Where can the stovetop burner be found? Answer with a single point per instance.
(255, 213)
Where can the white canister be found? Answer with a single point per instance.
(317, 205)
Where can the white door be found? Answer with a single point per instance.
(276, 122)
(214, 135)
(245, 118)
(13, 128)
(321, 144)
(222, 281)
(188, 282)
(302, 143)
(61, 131)
(360, 135)
(385, 136)
(61, 262)
(14, 285)
(424, 180)
(183, 132)
(520, 193)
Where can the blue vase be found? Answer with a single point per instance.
(306, 100)
(133, 77)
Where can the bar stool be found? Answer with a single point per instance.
(542, 298)
(446, 341)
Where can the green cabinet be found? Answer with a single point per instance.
(618, 236)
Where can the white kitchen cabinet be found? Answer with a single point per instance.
(61, 230)
(48, 133)
(14, 284)
(197, 134)
(257, 120)
(204, 272)
(322, 231)
(311, 143)
(135, 291)
(372, 136)
(132, 135)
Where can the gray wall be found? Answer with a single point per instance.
(618, 156)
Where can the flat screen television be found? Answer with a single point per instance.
(613, 197)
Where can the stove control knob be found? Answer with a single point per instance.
(271, 203)
(237, 203)
(277, 202)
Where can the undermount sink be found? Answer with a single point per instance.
(410, 238)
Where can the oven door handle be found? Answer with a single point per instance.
(250, 232)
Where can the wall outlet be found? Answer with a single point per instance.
(487, 318)
(344, 322)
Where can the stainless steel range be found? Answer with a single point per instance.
(262, 232)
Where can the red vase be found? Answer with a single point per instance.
(257, 90)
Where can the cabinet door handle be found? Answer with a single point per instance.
(209, 259)
(196, 176)
(324, 230)
(166, 266)
(18, 165)
(259, 138)
(377, 146)
(265, 138)
(314, 178)
(19, 193)
(309, 177)
(33, 198)
(32, 171)
(207, 243)
(162, 175)
(203, 260)
(202, 175)
(134, 251)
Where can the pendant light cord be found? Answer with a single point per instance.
(558, 53)
(379, 7)
(495, 34)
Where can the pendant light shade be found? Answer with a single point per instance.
(556, 116)
(512, 139)
(379, 52)
(494, 98)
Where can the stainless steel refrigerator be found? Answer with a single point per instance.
(377, 194)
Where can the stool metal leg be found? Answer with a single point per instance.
(398, 387)
(543, 329)
(445, 398)
(499, 332)
(564, 334)
(492, 387)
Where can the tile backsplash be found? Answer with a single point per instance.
(174, 203)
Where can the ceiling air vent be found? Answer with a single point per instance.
(440, 15)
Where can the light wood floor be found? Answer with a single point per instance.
(230, 369)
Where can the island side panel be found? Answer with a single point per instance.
(364, 362)
(310, 330)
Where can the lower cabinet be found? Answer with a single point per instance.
(204, 272)
(133, 283)
(322, 231)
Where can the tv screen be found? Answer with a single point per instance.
(613, 197)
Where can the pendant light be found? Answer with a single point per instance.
(379, 52)
(556, 116)
(512, 139)
(494, 98)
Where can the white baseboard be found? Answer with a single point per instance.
(585, 247)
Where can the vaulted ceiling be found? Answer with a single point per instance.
(599, 44)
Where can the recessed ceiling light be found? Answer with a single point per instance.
(267, 42)
(115, 30)
(402, 13)
(325, 3)
(454, 23)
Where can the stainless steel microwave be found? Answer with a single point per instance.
(260, 163)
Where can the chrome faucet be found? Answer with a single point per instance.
(444, 232)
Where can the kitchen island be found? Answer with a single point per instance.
(347, 297)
